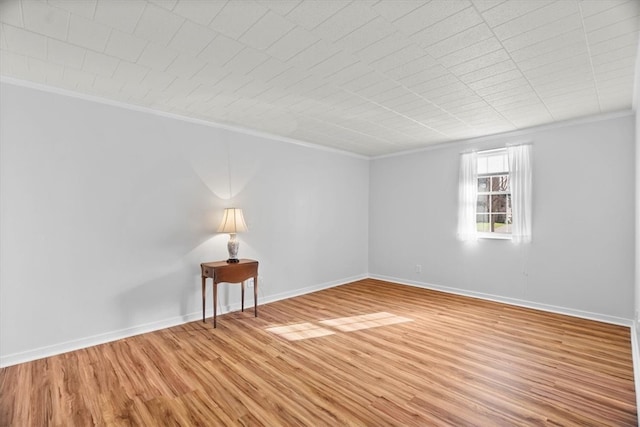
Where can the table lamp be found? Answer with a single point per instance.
(232, 223)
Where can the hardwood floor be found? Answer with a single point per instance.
(378, 354)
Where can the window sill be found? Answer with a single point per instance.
(494, 236)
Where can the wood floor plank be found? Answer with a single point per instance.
(448, 361)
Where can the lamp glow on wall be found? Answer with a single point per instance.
(232, 223)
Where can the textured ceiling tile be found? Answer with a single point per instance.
(572, 38)
(544, 32)
(201, 12)
(429, 14)
(612, 31)
(157, 56)
(333, 64)
(157, 80)
(391, 61)
(192, 38)
(614, 43)
(374, 89)
(425, 75)
(99, 64)
(292, 43)
(125, 46)
(350, 18)
(75, 78)
(45, 72)
(379, 87)
(410, 72)
(628, 63)
(524, 91)
(510, 10)
(25, 42)
(45, 19)
(614, 55)
(612, 16)
(246, 60)
(362, 82)
(459, 41)
(11, 13)
(13, 64)
(366, 35)
(221, 50)
(472, 52)
(269, 29)
(481, 62)
(165, 4)
(499, 68)
(314, 55)
(395, 9)
(309, 14)
(352, 72)
(384, 47)
(86, 33)
(236, 17)
(281, 7)
(185, 66)
(450, 27)
(65, 54)
(158, 25)
(269, 69)
(119, 14)
(590, 7)
(535, 19)
(181, 86)
(104, 86)
(128, 72)
(211, 74)
(504, 86)
(563, 63)
(483, 5)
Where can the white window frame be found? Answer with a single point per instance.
(480, 155)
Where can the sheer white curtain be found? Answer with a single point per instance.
(520, 181)
(467, 196)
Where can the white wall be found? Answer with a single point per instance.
(106, 214)
(581, 260)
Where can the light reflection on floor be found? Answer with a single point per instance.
(300, 331)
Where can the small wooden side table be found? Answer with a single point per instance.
(221, 271)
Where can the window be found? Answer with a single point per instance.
(493, 202)
(494, 194)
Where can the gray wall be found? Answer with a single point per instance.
(581, 260)
(106, 214)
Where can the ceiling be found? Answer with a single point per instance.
(366, 76)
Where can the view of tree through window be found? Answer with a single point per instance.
(494, 193)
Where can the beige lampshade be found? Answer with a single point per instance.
(232, 221)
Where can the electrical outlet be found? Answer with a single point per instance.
(249, 283)
(418, 268)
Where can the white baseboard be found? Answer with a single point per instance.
(52, 350)
(42, 352)
(512, 301)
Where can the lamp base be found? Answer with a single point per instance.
(232, 260)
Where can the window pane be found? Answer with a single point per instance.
(500, 183)
(483, 204)
(483, 184)
(482, 222)
(503, 228)
(499, 203)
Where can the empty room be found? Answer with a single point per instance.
(319, 212)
